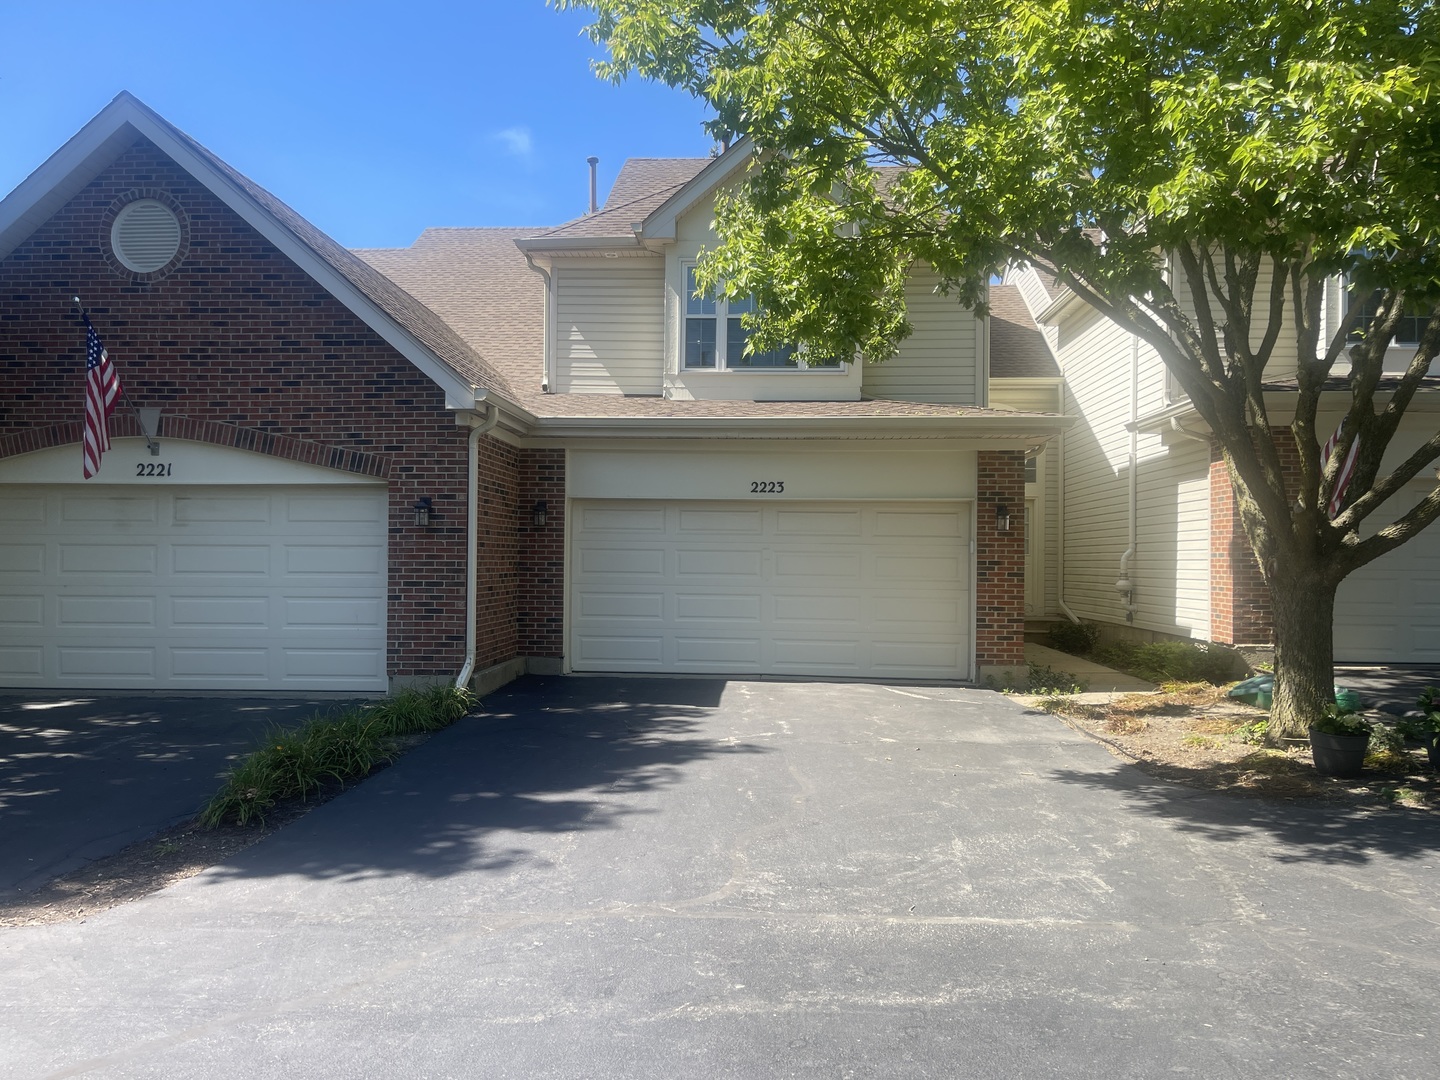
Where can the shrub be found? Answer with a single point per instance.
(1174, 661)
(1042, 679)
(333, 747)
(1338, 721)
(1078, 639)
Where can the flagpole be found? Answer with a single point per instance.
(151, 443)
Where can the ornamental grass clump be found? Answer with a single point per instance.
(329, 750)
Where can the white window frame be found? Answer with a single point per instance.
(721, 316)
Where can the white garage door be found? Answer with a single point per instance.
(875, 590)
(1389, 611)
(233, 588)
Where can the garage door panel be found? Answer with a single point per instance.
(818, 607)
(252, 664)
(115, 511)
(844, 567)
(108, 559)
(609, 562)
(332, 613)
(183, 602)
(22, 612)
(334, 509)
(946, 525)
(22, 662)
(745, 607)
(612, 649)
(129, 663)
(843, 589)
(595, 519)
(220, 560)
(22, 558)
(811, 523)
(194, 613)
(717, 652)
(22, 510)
(233, 510)
(927, 569)
(798, 655)
(119, 612)
(708, 522)
(718, 562)
(594, 605)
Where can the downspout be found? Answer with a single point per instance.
(547, 362)
(472, 537)
(1125, 586)
(1060, 524)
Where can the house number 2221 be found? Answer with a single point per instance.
(766, 487)
(152, 468)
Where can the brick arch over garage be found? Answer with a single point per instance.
(123, 425)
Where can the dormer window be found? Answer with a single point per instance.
(715, 334)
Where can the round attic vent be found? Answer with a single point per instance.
(145, 236)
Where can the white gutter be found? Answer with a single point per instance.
(1124, 585)
(472, 534)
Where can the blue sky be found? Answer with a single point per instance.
(374, 120)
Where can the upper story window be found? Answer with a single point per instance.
(1407, 331)
(715, 335)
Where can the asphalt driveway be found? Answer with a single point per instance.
(692, 878)
(86, 775)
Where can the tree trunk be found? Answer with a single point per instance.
(1303, 608)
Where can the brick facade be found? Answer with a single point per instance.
(542, 556)
(239, 347)
(1000, 560)
(1239, 597)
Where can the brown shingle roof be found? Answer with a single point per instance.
(643, 184)
(1017, 348)
(478, 281)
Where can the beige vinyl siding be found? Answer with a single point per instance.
(610, 327)
(1035, 395)
(1171, 566)
(938, 362)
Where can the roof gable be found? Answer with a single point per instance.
(403, 322)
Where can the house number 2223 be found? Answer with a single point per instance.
(766, 487)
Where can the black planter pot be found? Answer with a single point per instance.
(1338, 755)
(1432, 751)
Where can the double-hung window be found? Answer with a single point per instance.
(715, 335)
(1407, 330)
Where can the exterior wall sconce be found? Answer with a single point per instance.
(539, 512)
(1002, 517)
(423, 508)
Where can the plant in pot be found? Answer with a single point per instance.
(1425, 728)
(1338, 742)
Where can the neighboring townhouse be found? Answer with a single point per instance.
(1145, 501)
(494, 451)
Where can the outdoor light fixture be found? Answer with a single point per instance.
(1002, 517)
(423, 509)
(539, 512)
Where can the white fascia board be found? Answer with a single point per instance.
(113, 130)
(661, 222)
(993, 431)
(1067, 299)
(560, 245)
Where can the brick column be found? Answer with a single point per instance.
(1239, 598)
(999, 563)
(542, 556)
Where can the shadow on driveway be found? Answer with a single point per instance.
(84, 776)
(542, 756)
(1309, 832)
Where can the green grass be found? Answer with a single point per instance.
(294, 764)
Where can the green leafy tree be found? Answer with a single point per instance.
(1197, 171)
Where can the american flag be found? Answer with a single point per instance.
(1347, 470)
(102, 389)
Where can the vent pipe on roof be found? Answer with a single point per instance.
(592, 161)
